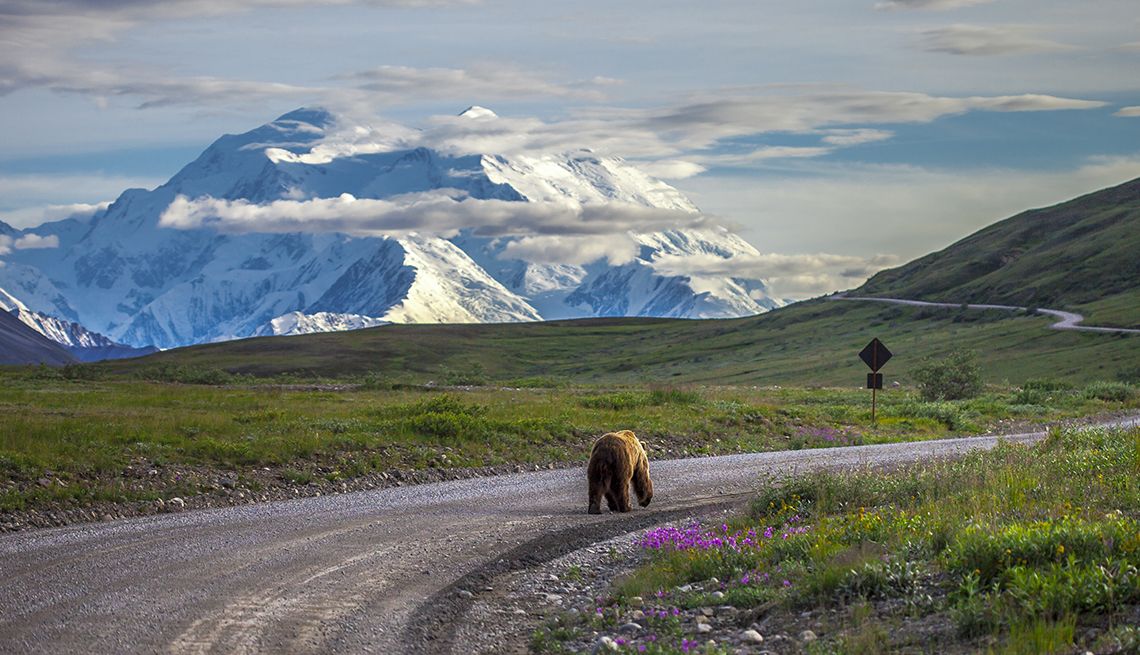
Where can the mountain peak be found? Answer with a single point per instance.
(318, 117)
(478, 113)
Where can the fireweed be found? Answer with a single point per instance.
(747, 563)
(693, 537)
(1044, 532)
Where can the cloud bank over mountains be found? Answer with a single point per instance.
(444, 213)
(790, 124)
(562, 223)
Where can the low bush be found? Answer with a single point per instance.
(1046, 384)
(945, 413)
(1116, 392)
(534, 383)
(955, 377)
(445, 403)
(473, 375)
(615, 401)
(69, 371)
(657, 397)
(188, 374)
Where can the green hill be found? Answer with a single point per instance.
(1081, 254)
(816, 341)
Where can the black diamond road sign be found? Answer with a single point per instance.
(875, 354)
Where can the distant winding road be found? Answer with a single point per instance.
(1069, 320)
(369, 572)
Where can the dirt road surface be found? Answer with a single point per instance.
(1066, 320)
(388, 571)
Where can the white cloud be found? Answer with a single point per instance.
(26, 242)
(400, 84)
(35, 241)
(1128, 112)
(443, 212)
(703, 122)
(856, 137)
(680, 137)
(21, 186)
(761, 154)
(929, 4)
(32, 216)
(763, 266)
(617, 248)
(1001, 40)
(789, 276)
(1127, 47)
(40, 40)
(670, 169)
(26, 195)
(794, 277)
(901, 210)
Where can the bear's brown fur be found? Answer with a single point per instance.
(617, 460)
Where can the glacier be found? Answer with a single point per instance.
(127, 273)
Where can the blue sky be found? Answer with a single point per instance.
(853, 128)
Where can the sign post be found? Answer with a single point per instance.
(875, 355)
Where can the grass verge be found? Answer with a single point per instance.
(1016, 550)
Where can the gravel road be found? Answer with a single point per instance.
(1066, 320)
(386, 571)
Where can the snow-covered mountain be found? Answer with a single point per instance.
(141, 275)
(87, 346)
(298, 323)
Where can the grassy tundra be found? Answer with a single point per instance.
(1019, 546)
(68, 442)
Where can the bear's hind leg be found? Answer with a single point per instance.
(621, 498)
(612, 501)
(596, 491)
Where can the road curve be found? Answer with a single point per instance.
(369, 572)
(1068, 320)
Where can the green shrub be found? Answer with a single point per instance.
(989, 553)
(166, 372)
(945, 413)
(84, 372)
(672, 396)
(1046, 384)
(1110, 391)
(69, 371)
(1030, 397)
(614, 401)
(655, 398)
(955, 377)
(297, 477)
(446, 425)
(446, 403)
(1123, 639)
(373, 381)
(534, 383)
(474, 375)
(807, 495)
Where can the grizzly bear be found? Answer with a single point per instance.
(618, 459)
